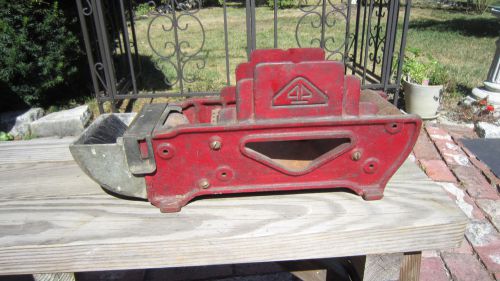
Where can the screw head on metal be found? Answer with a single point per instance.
(356, 155)
(215, 145)
(204, 183)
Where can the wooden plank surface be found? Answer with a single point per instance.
(410, 268)
(378, 267)
(36, 150)
(54, 219)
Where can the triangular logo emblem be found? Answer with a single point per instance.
(299, 92)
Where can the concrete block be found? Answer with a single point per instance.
(17, 123)
(62, 123)
(487, 130)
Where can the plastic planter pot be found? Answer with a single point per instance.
(422, 100)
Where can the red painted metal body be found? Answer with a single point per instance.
(293, 122)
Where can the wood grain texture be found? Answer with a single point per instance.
(36, 150)
(410, 267)
(54, 277)
(382, 267)
(54, 219)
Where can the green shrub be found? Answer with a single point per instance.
(421, 69)
(37, 51)
(143, 9)
(283, 4)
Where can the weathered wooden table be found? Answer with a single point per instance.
(53, 218)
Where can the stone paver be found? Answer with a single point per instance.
(449, 150)
(492, 210)
(17, 123)
(490, 255)
(437, 170)
(433, 269)
(481, 233)
(424, 148)
(474, 190)
(447, 146)
(475, 183)
(452, 153)
(485, 240)
(459, 132)
(69, 122)
(436, 133)
(485, 170)
(464, 267)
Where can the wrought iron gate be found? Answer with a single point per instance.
(371, 44)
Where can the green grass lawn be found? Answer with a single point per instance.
(463, 42)
(212, 77)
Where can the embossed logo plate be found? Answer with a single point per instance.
(300, 91)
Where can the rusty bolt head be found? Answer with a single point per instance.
(356, 155)
(215, 145)
(204, 183)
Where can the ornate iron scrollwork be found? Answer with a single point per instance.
(87, 8)
(376, 39)
(323, 15)
(99, 73)
(173, 20)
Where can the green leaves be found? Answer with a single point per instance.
(5, 136)
(37, 50)
(419, 69)
(283, 4)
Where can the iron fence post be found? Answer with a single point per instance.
(113, 51)
(406, 23)
(88, 49)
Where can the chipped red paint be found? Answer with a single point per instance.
(292, 122)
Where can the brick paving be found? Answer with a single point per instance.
(433, 269)
(474, 188)
(437, 170)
